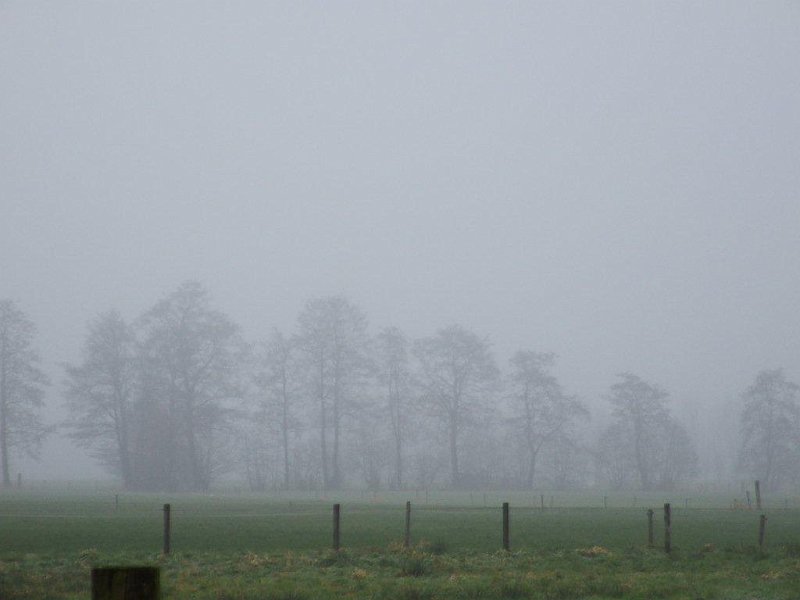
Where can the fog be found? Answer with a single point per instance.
(614, 183)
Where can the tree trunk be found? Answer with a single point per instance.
(198, 480)
(397, 429)
(398, 462)
(323, 424)
(529, 417)
(454, 450)
(641, 463)
(4, 420)
(336, 478)
(531, 468)
(285, 426)
(123, 448)
(124, 458)
(4, 442)
(324, 443)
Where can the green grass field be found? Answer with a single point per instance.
(278, 546)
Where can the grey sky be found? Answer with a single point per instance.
(614, 182)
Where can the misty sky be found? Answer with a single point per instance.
(614, 182)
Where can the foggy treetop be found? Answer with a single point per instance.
(614, 184)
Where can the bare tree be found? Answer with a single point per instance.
(615, 463)
(677, 458)
(395, 377)
(21, 387)
(368, 448)
(640, 408)
(645, 434)
(190, 356)
(277, 381)
(100, 394)
(333, 339)
(770, 426)
(458, 374)
(541, 409)
(566, 461)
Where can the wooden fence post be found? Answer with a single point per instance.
(762, 526)
(167, 524)
(667, 528)
(758, 494)
(336, 530)
(650, 536)
(126, 583)
(506, 540)
(407, 541)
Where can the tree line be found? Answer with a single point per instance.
(177, 398)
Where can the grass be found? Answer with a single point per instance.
(394, 573)
(247, 547)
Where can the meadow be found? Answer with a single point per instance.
(278, 546)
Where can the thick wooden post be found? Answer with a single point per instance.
(605, 501)
(407, 541)
(336, 530)
(667, 528)
(126, 583)
(762, 527)
(167, 524)
(506, 540)
(650, 536)
(758, 494)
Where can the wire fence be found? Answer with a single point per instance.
(476, 521)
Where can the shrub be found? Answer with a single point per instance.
(438, 547)
(334, 559)
(514, 589)
(414, 565)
